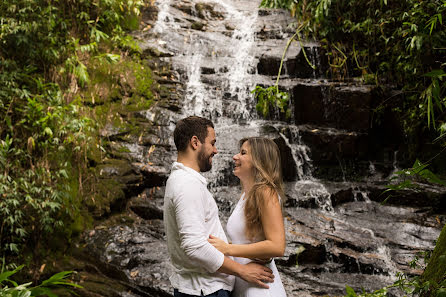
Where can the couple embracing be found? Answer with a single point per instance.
(204, 263)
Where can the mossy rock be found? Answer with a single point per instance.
(94, 154)
(93, 282)
(197, 26)
(120, 88)
(206, 11)
(435, 271)
(113, 167)
(107, 194)
(81, 222)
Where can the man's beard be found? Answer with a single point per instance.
(204, 161)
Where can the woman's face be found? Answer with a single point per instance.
(243, 162)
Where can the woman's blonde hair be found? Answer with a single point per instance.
(268, 183)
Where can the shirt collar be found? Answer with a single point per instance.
(179, 166)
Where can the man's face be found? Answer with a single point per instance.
(207, 151)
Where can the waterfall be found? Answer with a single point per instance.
(331, 209)
(219, 74)
(238, 76)
(306, 186)
(195, 91)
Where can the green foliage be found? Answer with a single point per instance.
(46, 48)
(410, 176)
(377, 293)
(41, 135)
(402, 43)
(9, 288)
(432, 95)
(407, 285)
(270, 96)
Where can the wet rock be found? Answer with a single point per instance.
(289, 170)
(431, 196)
(353, 241)
(207, 11)
(207, 70)
(185, 7)
(112, 132)
(158, 116)
(198, 26)
(333, 145)
(114, 168)
(133, 256)
(331, 105)
(149, 13)
(109, 195)
(268, 65)
(342, 196)
(337, 233)
(152, 175)
(155, 52)
(229, 27)
(311, 62)
(294, 66)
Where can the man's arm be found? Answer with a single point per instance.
(252, 272)
(190, 220)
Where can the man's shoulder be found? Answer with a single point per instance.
(181, 176)
(180, 180)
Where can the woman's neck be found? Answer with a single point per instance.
(247, 184)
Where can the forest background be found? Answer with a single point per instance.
(59, 58)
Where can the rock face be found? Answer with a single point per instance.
(209, 56)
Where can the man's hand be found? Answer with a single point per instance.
(257, 274)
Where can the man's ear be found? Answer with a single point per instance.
(194, 142)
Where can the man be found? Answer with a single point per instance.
(191, 215)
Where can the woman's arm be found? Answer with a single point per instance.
(274, 231)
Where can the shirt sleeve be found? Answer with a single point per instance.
(190, 216)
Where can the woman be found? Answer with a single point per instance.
(256, 225)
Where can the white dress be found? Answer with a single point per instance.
(236, 233)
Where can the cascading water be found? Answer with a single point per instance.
(306, 186)
(215, 47)
(238, 76)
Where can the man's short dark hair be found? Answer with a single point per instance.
(188, 127)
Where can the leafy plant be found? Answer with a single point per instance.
(9, 288)
(45, 133)
(272, 96)
(409, 175)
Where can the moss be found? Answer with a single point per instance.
(80, 223)
(107, 192)
(95, 154)
(124, 88)
(204, 8)
(131, 22)
(436, 269)
(197, 26)
(113, 167)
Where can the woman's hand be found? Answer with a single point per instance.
(220, 245)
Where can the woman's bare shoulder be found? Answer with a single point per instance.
(269, 195)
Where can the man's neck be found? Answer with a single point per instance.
(188, 162)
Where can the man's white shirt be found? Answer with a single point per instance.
(190, 216)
